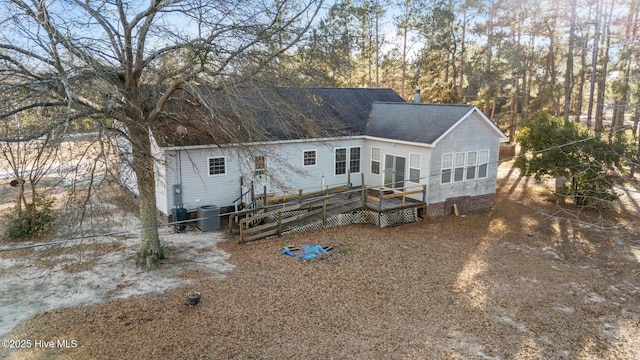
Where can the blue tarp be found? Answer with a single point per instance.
(307, 252)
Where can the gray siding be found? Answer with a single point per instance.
(401, 150)
(285, 171)
(190, 168)
(127, 177)
(159, 166)
(471, 134)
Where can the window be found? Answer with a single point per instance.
(447, 164)
(341, 161)
(353, 164)
(217, 166)
(354, 160)
(375, 160)
(309, 158)
(260, 165)
(472, 161)
(463, 166)
(483, 163)
(458, 170)
(414, 168)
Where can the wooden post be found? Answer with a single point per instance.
(279, 223)
(424, 194)
(241, 233)
(324, 212)
(363, 192)
(404, 196)
(300, 196)
(265, 195)
(231, 220)
(424, 202)
(380, 195)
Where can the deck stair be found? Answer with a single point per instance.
(283, 219)
(380, 206)
(254, 209)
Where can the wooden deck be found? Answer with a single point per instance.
(393, 204)
(386, 199)
(277, 219)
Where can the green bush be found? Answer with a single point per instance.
(36, 221)
(591, 163)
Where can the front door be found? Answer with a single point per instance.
(394, 168)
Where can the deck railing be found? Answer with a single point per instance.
(296, 194)
(320, 207)
(380, 194)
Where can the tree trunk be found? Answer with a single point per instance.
(33, 211)
(636, 122)
(151, 250)
(514, 109)
(22, 201)
(553, 72)
(377, 48)
(602, 79)
(404, 61)
(594, 62)
(488, 88)
(461, 97)
(579, 97)
(568, 76)
(622, 90)
(527, 78)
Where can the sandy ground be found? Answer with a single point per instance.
(530, 279)
(96, 270)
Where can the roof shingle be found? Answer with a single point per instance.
(283, 113)
(421, 123)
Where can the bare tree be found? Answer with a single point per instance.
(125, 61)
(27, 162)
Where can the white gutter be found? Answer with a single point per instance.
(297, 141)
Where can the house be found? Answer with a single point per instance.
(373, 136)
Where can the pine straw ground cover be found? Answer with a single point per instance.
(511, 283)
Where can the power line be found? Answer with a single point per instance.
(534, 152)
(87, 237)
(122, 232)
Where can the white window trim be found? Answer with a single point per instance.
(335, 160)
(257, 171)
(347, 159)
(316, 157)
(486, 163)
(442, 168)
(467, 166)
(379, 161)
(419, 168)
(209, 166)
(359, 159)
(464, 164)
